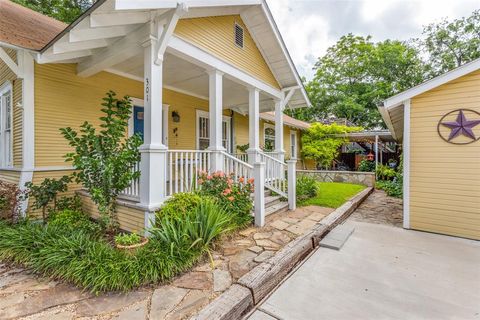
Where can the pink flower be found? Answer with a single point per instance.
(227, 192)
(241, 180)
(200, 181)
(231, 198)
(229, 181)
(221, 174)
(251, 180)
(209, 177)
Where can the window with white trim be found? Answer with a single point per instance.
(203, 131)
(268, 137)
(6, 126)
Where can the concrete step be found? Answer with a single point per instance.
(272, 200)
(336, 238)
(277, 208)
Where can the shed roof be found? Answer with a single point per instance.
(25, 28)
(393, 108)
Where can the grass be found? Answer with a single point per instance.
(333, 194)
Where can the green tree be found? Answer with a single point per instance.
(322, 143)
(63, 10)
(355, 74)
(105, 159)
(450, 44)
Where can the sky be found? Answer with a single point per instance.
(309, 27)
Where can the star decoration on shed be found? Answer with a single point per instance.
(461, 126)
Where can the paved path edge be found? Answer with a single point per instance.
(254, 286)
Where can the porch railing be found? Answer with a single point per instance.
(237, 167)
(133, 192)
(183, 168)
(275, 174)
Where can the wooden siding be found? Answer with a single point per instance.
(6, 75)
(445, 178)
(130, 219)
(10, 176)
(216, 35)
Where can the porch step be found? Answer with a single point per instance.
(272, 200)
(277, 208)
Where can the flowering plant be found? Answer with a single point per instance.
(233, 194)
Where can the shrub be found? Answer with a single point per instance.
(69, 203)
(234, 196)
(197, 229)
(10, 197)
(393, 188)
(307, 188)
(126, 239)
(366, 166)
(385, 172)
(88, 262)
(104, 160)
(46, 192)
(70, 220)
(180, 204)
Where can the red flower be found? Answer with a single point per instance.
(241, 180)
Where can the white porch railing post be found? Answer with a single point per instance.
(292, 184)
(279, 143)
(253, 125)
(153, 165)
(216, 119)
(259, 194)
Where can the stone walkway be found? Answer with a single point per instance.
(25, 296)
(381, 209)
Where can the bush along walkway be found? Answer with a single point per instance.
(24, 295)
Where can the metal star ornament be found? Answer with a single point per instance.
(461, 126)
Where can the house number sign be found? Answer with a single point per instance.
(461, 126)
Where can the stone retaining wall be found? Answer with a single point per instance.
(364, 178)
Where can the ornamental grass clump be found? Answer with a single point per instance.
(234, 196)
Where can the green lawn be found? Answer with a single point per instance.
(333, 194)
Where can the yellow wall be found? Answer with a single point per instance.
(216, 35)
(445, 178)
(6, 75)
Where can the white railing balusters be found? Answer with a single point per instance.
(275, 178)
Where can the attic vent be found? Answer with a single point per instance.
(238, 35)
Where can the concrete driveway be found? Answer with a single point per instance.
(383, 272)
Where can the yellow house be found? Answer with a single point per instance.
(439, 125)
(206, 78)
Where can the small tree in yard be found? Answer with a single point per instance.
(46, 192)
(321, 142)
(105, 159)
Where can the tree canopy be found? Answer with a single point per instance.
(321, 142)
(355, 74)
(63, 10)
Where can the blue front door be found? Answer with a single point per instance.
(138, 120)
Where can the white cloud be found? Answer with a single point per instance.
(309, 27)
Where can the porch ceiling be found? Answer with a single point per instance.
(185, 77)
(109, 36)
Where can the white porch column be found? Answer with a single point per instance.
(376, 152)
(259, 193)
(253, 125)
(279, 146)
(292, 184)
(216, 118)
(153, 165)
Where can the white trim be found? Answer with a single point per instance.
(162, 4)
(293, 155)
(10, 63)
(432, 83)
(198, 56)
(388, 120)
(6, 158)
(406, 165)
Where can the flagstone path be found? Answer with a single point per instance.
(26, 296)
(381, 209)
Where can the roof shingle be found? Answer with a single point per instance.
(25, 28)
